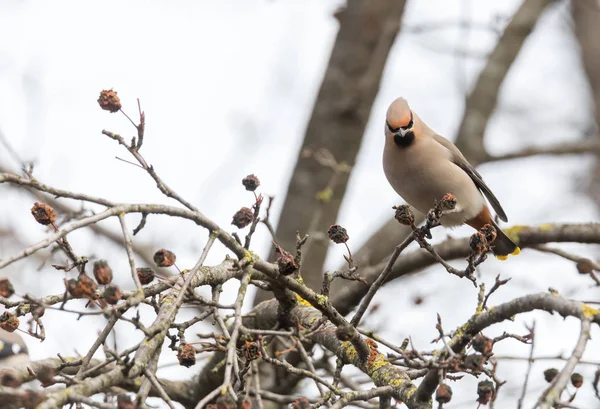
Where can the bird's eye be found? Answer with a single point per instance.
(392, 130)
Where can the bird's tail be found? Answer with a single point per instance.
(503, 246)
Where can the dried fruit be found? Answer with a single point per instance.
(102, 272)
(448, 202)
(186, 354)
(337, 234)
(251, 351)
(474, 362)
(9, 322)
(285, 262)
(251, 182)
(404, 215)
(164, 258)
(112, 294)
(242, 218)
(124, 402)
(301, 403)
(109, 101)
(43, 213)
(245, 404)
(585, 266)
(576, 379)
(482, 344)
(478, 243)
(87, 286)
(145, 274)
(443, 394)
(550, 374)
(6, 288)
(485, 392)
(489, 232)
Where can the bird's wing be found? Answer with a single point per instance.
(459, 160)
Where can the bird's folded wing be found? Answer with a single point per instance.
(461, 161)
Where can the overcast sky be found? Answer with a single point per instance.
(228, 88)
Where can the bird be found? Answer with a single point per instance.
(13, 350)
(422, 166)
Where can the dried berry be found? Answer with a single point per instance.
(285, 262)
(186, 354)
(109, 101)
(251, 351)
(448, 202)
(43, 213)
(443, 394)
(485, 392)
(585, 266)
(245, 404)
(124, 402)
(145, 274)
(301, 403)
(9, 322)
(6, 288)
(474, 362)
(478, 243)
(576, 379)
(102, 272)
(72, 288)
(112, 294)
(550, 374)
(337, 234)
(164, 258)
(87, 286)
(242, 218)
(482, 344)
(251, 182)
(489, 232)
(404, 215)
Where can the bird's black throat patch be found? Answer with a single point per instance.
(406, 140)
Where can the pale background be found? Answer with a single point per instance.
(228, 88)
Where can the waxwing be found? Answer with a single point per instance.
(13, 350)
(423, 166)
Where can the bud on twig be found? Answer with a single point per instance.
(485, 392)
(448, 202)
(102, 272)
(186, 354)
(404, 215)
(482, 344)
(585, 266)
(109, 101)
(251, 182)
(576, 380)
(6, 288)
(478, 243)
(164, 258)
(337, 234)
(550, 374)
(9, 322)
(124, 402)
(285, 262)
(242, 218)
(489, 232)
(443, 394)
(145, 274)
(112, 294)
(43, 213)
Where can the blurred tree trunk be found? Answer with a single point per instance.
(586, 18)
(340, 114)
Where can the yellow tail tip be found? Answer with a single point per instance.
(516, 252)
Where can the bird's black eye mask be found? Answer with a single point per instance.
(404, 128)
